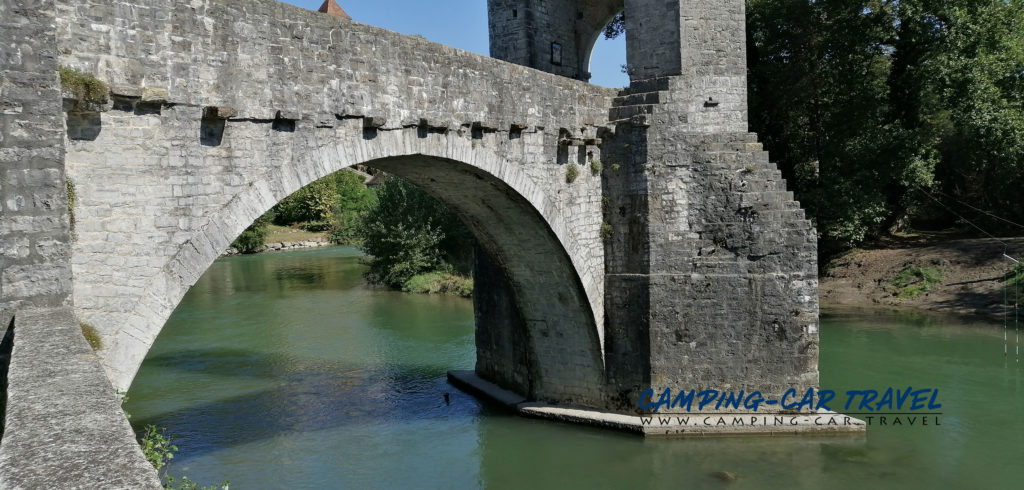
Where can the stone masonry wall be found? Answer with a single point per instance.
(711, 266)
(522, 32)
(34, 251)
(222, 109)
(701, 47)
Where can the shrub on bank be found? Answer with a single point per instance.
(440, 283)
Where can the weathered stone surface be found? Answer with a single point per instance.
(556, 36)
(156, 203)
(33, 202)
(154, 95)
(705, 424)
(684, 264)
(64, 427)
(710, 266)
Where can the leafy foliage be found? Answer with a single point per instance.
(864, 103)
(185, 484)
(1015, 278)
(156, 447)
(407, 232)
(440, 283)
(254, 237)
(159, 452)
(353, 199)
(616, 27)
(332, 203)
(84, 86)
(311, 204)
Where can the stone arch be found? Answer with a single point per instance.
(555, 284)
(590, 29)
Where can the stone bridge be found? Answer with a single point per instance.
(676, 258)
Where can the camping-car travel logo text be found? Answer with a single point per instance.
(894, 406)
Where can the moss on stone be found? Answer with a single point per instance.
(91, 336)
(85, 87)
(71, 202)
(571, 173)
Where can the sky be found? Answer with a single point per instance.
(463, 24)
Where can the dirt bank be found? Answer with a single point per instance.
(970, 278)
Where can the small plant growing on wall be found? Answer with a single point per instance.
(596, 167)
(571, 173)
(84, 87)
(157, 447)
(91, 336)
(70, 184)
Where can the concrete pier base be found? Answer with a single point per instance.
(705, 424)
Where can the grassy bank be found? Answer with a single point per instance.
(440, 283)
(276, 233)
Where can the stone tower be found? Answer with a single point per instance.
(710, 265)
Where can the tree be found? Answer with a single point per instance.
(407, 232)
(353, 199)
(254, 237)
(328, 204)
(311, 204)
(616, 27)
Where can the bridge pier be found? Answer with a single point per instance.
(710, 265)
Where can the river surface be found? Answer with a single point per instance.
(287, 371)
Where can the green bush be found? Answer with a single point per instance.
(406, 232)
(353, 199)
(255, 236)
(1016, 277)
(440, 283)
(84, 86)
(596, 167)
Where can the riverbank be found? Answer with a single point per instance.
(282, 246)
(436, 282)
(926, 272)
(281, 238)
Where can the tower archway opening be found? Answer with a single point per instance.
(606, 57)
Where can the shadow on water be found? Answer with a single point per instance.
(304, 397)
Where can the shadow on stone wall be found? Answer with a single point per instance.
(84, 126)
(6, 347)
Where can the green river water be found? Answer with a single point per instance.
(287, 371)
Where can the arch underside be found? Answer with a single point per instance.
(538, 330)
(592, 26)
(541, 340)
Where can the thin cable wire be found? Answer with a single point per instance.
(1014, 274)
(947, 208)
(982, 211)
